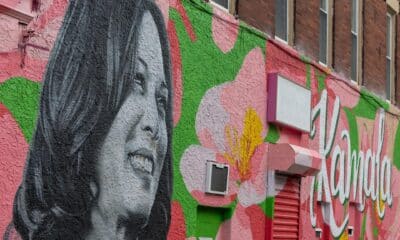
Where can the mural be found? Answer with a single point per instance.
(99, 162)
(101, 146)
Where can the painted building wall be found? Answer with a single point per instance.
(219, 72)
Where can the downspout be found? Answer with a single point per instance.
(236, 14)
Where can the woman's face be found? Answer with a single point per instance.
(132, 155)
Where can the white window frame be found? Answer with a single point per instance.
(289, 23)
(358, 34)
(328, 12)
(390, 56)
(222, 7)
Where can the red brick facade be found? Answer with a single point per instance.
(306, 28)
(374, 49)
(260, 14)
(341, 60)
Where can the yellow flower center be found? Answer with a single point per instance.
(241, 149)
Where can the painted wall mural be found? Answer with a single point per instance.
(219, 69)
(99, 161)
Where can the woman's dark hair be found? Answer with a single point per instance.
(82, 92)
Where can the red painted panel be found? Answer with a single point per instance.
(287, 208)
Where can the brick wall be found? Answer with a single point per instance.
(306, 27)
(341, 61)
(374, 46)
(259, 14)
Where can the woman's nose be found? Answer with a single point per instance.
(150, 120)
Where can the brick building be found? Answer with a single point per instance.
(364, 21)
(284, 116)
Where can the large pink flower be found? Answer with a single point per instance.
(230, 125)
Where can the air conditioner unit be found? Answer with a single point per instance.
(217, 179)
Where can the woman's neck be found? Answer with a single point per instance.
(105, 226)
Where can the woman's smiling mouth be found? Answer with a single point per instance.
(142, 160)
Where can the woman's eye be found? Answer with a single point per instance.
(139, 80)
(162, 103)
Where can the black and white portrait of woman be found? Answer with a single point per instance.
(99, 164)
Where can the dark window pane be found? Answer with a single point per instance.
(323, 4)
(353, 57)
(281, 19)
(354, 14)
(323, 37)
(219, 178)
(223, 3)
(388, 79)
(388, 35)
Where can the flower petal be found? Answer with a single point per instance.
(254, 190)
(248, 90)
(193, 166)
(250, 193)
(258, 221)
(225, 30)
(246, 223)
(236, 228)
(193, 169)
(259, 164)
(211, 119)
(213, 200)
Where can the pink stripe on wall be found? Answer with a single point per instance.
(272, 95)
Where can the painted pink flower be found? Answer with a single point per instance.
(246, 223)
(225, 29)
(231, 128)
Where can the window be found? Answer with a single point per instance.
(284, 20)
(355, 41)
(390, 37)
(323, 32)
(226, 5)
(222, 3)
